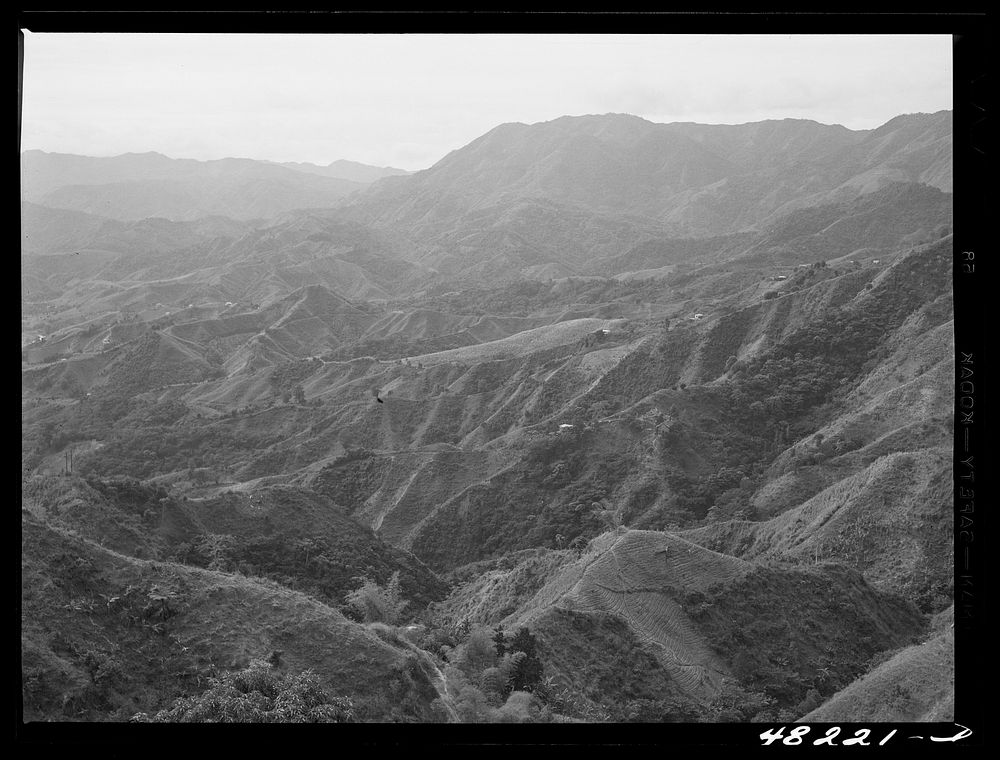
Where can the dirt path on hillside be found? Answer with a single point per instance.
(437, 681)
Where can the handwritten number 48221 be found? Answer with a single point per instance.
(795, 737)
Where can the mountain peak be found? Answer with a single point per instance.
(145, 154)
(611, 116)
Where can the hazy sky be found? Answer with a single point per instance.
(406, 100)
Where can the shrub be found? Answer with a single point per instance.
(258, 694)
(520, 707)
(735, 704)
(812, 700)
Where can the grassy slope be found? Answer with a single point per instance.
(886, 521)
(916, 684)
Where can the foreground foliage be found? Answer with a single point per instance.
(258, 694)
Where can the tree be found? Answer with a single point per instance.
(498, 640)
(524, 641)
(472, 705)
(493, 684)
(217, 549)
(477, 653)
(376, 604)
(258, 694)
(526, 671)
(578, 545)
(810, 702)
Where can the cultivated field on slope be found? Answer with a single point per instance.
(522, 343)
(634, 578)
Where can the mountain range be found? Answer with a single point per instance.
(577, 187)
(135, 186)
(349, 170)
(674, 398)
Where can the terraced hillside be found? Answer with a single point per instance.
(704, 621)
(633, 578)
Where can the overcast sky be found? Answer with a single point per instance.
(407, 100)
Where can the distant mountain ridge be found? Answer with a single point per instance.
(349, 170)
(46, 230)
(628, 178)
(522, 198)
(138, 185)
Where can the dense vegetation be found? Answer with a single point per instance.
(257, 694)
(823, 640)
